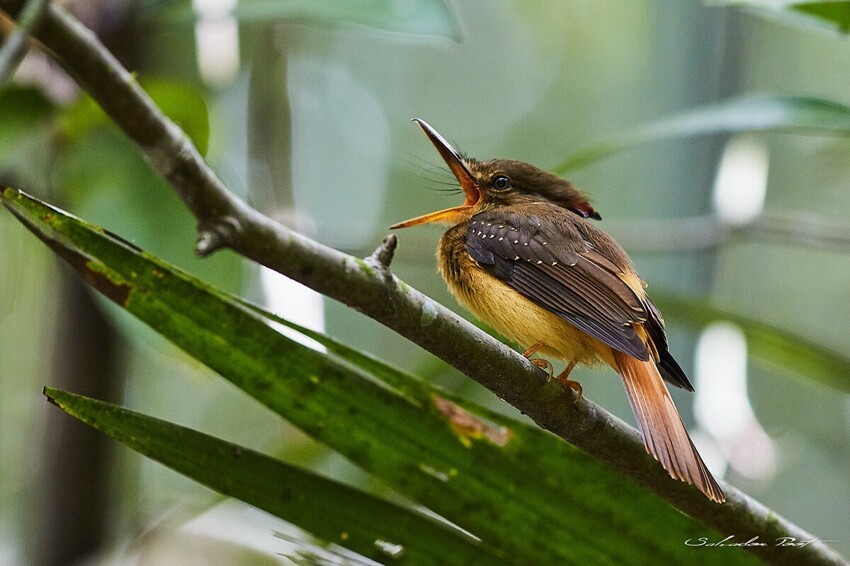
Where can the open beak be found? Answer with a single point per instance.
(461, 172)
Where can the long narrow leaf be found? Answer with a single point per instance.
(332, 511)
(751, 113)
(831, 16)
(767, 344)
(528, 496)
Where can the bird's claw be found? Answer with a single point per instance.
(564, 378)
(570, 384)
(546, 365)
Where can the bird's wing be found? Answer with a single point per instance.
(562, 273)
(667, 364)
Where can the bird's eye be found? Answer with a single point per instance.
(500, 183)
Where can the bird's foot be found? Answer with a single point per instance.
(545, 364)
(574, 385)
(532, 350)
(539, 362)
(564, 378)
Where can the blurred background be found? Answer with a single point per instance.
(305, 111)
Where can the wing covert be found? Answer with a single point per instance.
(577, 283)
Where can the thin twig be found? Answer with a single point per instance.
(799, 229)
(695, 233)
(383, 254)
(225, 220)
(650, 235)
(15, 47)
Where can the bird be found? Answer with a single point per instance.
(523, 255)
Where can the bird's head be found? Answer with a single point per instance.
(499, 182)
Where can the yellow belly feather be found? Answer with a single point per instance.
(519, 319)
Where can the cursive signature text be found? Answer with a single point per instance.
(790, 542)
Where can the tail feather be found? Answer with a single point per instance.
(664, 433)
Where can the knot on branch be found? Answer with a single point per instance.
(383, 254)
(217, 233)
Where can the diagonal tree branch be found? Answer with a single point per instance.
(15, 46)
(367, 286)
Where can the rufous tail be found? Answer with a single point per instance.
(664, 433)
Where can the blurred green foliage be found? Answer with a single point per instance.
(754, 113)
(27, 117)
(183, 103)
(417, 17)
(768, 345)
(832, 16)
